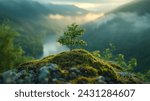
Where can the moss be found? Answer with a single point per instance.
(31, 64)
(73, 58)
(89, 65)
(83, 80)
(64, 73)
(83, 57)
(129, 80)
(105, 69)
(35, 64)
(88, 71)
(116, 67)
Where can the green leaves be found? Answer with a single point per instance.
(132, 64)
(10, 53)
(72, 36)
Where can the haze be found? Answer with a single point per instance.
(92, 5)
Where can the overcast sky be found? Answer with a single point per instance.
(101, 5)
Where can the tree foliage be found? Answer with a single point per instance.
(107, 54)
(119, 59)
(10, 54)
(72, 36)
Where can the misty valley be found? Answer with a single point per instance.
(74, 42)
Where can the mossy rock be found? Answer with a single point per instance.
(88, 71)
(90, 67)
(83, 80)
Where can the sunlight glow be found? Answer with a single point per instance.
(87, 5)
(105, 6)
(100, 6)
(79, 19)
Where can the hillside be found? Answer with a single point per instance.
(31, 19)
(128, 28)
(138, 6)
(77, 66)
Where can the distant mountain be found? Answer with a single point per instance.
(128, 28)
(31, 9)
(33, 12)
(30, 13)
(66, 9)
(138, 6)
(31, 19)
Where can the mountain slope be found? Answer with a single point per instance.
(138, 6)
(76, 66)
(31, 20)
(128, 28)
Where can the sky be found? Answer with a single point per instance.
(93, 5)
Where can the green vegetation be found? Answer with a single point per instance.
(122, 31)
(11, 54)
(75, 66)
(107, 65)
(89, 67)
(31, 44)
(120, 62)
(118, 59)
(83, 80)
(72, 36)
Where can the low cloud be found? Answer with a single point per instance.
(52, 46)
(78, 19)
(131, 21)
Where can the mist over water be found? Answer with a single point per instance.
(51, 46)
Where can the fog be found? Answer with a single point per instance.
(48, 22)
(40, 22)
(133, 21)
(91, 5)
(51, 46)
(80, 19)
(127, 28)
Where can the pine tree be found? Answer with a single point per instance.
(72, 36)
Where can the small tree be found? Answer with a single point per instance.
(72, 36)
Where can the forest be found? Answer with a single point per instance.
(52, 43)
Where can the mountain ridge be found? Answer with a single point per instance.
(127, 29)
(139, 6)
(31, 20)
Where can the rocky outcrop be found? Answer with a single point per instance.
(73, 67)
